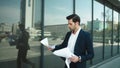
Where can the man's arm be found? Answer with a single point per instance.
(89, 48)
(64, 43)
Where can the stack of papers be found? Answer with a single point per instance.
(65, 52)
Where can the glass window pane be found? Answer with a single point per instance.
(98, 31)
(12, 13)
(115, 33)
(85, 14)
(56, 27)
(9, 19)
(108, 32)
(84, 10)
(118, 30)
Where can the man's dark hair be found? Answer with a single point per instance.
(21, 26)
(74, 17)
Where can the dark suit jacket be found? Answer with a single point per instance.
(22, 41)
(83, 47)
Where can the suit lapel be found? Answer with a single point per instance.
(79, 40)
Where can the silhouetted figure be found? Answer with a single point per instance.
(23, 47)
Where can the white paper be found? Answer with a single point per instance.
(45, 42)
(65, 52)
(52, 46)
(67, 62)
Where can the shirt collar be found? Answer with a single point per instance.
(77, 31)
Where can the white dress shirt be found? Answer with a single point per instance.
(72, 40)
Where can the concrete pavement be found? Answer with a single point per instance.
(113, 62)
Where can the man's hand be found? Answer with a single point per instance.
(49, 48)
(75, 59)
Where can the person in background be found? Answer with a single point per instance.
(78, 41)
(12, 39)
(23, 47)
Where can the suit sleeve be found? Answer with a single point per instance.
(89, 48)
(64, 43)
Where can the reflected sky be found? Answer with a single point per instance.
(55, 11)
(83, 8)
(9, 11)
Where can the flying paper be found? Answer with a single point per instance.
(45, 42)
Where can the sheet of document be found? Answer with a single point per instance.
(65, 52)
(46, 43)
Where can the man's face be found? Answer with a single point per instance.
(71, 25)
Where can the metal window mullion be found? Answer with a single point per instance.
(33, 9)
(42, 35)
(103, 33)
(118, 32)
(92, 16)
(74, 6)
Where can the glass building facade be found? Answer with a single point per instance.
(47, 18)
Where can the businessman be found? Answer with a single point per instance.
(23, 47)
(78, 41)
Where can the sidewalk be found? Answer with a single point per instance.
(113, 62)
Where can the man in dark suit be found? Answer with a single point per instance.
(78, 41)
(23, 47)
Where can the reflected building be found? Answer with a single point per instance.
(97, 25)
(29, 14)
(58, 30)
(5, 27)
(27, 17)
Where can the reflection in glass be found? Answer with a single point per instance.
(115, 33)
(85, 14)
(98, 31)
(55, 19)
(55, 27)
(108, 33)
